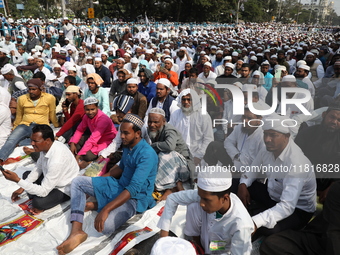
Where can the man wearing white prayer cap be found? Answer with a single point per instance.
(215, 216)
(268, 77)
(316, 67)
(103, 72)
(207, 74)
(163, 99)
(289, 81)
(140, 104)
(15, 83)
(288, 199)
(174, 159)
(195, 127)
(166, 72)
(302, 73)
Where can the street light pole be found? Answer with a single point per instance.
(238, 10)
(63, 8)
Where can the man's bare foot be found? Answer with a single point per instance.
(74, 240)
(36, 211)
(83, 164)
(91, 206)
(28, 151)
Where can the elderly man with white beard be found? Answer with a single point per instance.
(174, 159)
(195, 127)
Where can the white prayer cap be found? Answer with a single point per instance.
(256, 73)
(280, 67)
(98, 59)
(238, 84)
(169, 59)
(91, 100)
(219, 52)
(89, 57)
(6, 69)
(253, 58)
(65, 18)
(299, 48)
(72, 68)
(157, 111)
(166, 50)
(273, 56)
(122, 59)
(207, 64)
(127, 54)
(134, 61)
(207, 57)
(149, 51)
(43, 60)
(277, 124)
(30, 57)
(132, 81)
(165, 82)
(231, 65)
(234, 54)
(305, 67)
(265, 63)
(289, 78)
(104, 53)
(315, 51)
(182, 48)
(172, 245)
(227, 58)
(252, 52)
(207, 182)
(301, 62)
(56, 66)
(309, 54)
(66, 39)
(247, 87)
(259, 106)
(203, 52)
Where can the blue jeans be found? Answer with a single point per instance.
(82, 186)
(20, 133)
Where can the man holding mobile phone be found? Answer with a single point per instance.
(49, 183)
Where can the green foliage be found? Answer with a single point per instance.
(177, 10)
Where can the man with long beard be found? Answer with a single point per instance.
(195, 127)
(173, 154)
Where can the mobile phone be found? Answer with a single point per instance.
(1, 168)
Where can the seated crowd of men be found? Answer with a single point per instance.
(143, 104)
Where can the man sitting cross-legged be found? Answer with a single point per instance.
(117, 200)
(173, 153)
(49, 183)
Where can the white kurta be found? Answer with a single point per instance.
(297, 189)
(196, 130)
(211, 76)
(292, 109)
(247, 146)
(233, 229)
(59, 167)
